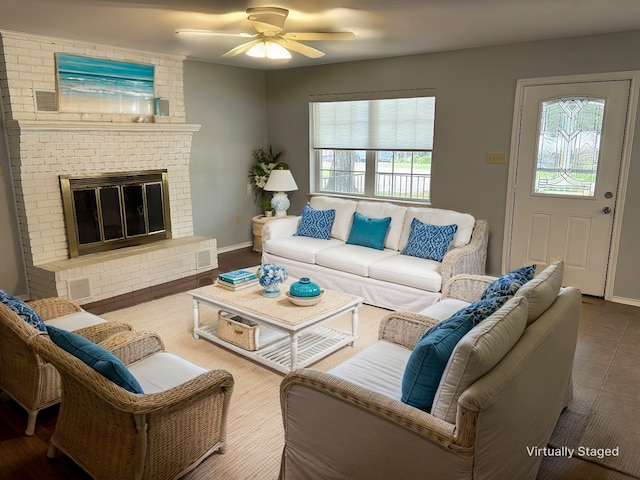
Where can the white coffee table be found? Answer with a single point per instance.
(290, 336)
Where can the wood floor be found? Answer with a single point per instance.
(25, 458)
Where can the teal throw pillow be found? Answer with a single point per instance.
(429, 359)
(509, 283)
(102, 361)
(316, 223)
(23, 310)
(368, 232)
(429, 241)
(477, 312)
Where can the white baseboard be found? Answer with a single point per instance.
(627, 301)
(231, 248)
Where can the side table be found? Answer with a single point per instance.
(257, 223)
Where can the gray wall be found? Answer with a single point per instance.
(230, 104)
(475, 92)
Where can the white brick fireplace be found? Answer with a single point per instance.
(46, 144)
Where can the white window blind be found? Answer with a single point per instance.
(386, 124)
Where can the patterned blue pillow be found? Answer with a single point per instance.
(428, 360)
(27, 313)
(368, 232)
(101, 360)
(316, 223)
(429, 241)
(509, 283)
(477, 312)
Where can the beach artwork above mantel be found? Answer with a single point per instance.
(97, 85)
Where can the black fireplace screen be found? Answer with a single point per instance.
(104, 212)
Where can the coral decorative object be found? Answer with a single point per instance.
(270, 277)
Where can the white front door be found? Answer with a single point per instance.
(567, 166)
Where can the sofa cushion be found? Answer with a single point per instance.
(379, 368)
(381, 210)
(301, 249)
(429, 359)
(368, 231)
(101, 360)
(344, 214)
(354, 259)
(23, 310)
(405, 270)
(542, 290)
(75, 321)
(163, 371)
(477, 353)
(509, 283)
(315, 223)
(437, 216)
(429, 241)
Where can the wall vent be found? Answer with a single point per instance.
(78, 288)
(203, 259)
(46, 101)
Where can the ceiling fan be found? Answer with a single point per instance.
(270, 40)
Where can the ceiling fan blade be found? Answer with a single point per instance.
(298, 47)
(319, 36)
(194, 31)
(241, 48)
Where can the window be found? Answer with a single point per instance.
(374, 148)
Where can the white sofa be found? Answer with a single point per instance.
(501, 392)
(383, 278)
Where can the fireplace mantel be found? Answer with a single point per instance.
(61, 125)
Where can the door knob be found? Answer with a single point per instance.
(606, 210)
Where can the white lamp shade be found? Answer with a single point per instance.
(281, 181)
(269, 50)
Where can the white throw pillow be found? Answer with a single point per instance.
(542, 290)
(478, 352)
(344, 214)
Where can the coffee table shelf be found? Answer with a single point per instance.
(275, 346)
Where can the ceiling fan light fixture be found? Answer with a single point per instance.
(270, 50)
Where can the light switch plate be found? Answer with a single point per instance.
(496, 158)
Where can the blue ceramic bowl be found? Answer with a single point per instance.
(304, 288)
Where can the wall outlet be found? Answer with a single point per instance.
(496, 158)
(249, 190)
(237, 218)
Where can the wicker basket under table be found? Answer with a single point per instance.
(238, 331)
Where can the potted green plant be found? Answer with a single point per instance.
(264, 162)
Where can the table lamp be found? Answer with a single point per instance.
(280, 181)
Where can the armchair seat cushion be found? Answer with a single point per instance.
(75, 321)
(163, 371)
(378, 367)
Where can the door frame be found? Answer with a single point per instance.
(634, 79)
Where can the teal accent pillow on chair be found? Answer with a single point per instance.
(23, 310)
(102, 361)
(429, 359)
(368, 232)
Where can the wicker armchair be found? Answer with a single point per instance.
(112, 433)
(33, 383)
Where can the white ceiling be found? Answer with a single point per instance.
(383, 28)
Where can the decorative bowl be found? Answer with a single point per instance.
(305, 301)
(304, 288)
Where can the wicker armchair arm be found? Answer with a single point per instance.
(102, 331)
(133, 346)
(470, 258)
(404, 328)
(54, 307)
(466, 287)
(403, 416)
